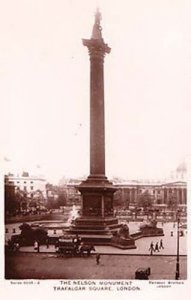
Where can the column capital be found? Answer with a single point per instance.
(96, 47)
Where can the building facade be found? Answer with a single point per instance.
(166, 195)
(29, 185)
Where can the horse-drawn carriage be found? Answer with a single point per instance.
(68, 245)
(65, 246)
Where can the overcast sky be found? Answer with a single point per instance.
(44, 78)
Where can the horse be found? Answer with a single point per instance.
(86, 249)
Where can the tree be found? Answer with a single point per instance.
(172, 203)
(145, 201)
(61, 201)
(56, 197)
(12, 205)
(21, 198)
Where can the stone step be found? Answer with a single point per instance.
(83, 231)
(92, 220)
(85, 226)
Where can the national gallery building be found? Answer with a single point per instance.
(172, 195)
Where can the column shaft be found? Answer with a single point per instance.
(97, 130)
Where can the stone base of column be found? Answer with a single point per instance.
(97, 223)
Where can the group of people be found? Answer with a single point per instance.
(12, 246)
(157, 247)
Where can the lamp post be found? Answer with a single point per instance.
(177, 275)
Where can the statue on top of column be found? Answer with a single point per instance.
(96, 33)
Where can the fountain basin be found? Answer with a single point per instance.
(51, 225)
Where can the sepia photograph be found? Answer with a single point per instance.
(95, 148)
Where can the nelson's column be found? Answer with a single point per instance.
(97, 222)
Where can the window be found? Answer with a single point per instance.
(31, 188)
(25, 188)
(18, 182)
(54, 231)
(7, 230)
(31, 182)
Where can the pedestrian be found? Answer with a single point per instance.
(47, 243)
(35, 245)
(77, 240)
(161, 244)
(56, 244)
(157, 247)
(151, 249)
(17, 246)
(38, 247)
(97, 258)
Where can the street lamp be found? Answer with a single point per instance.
(177, 275)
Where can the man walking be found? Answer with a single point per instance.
(47, 243)
(157, 247)
(35, 245)
(97, 258)
(151, 249)
(161, 244)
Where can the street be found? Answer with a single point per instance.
(49, 266)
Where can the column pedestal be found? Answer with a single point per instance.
(97, 224)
